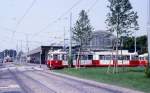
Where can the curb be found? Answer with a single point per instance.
(113, 88)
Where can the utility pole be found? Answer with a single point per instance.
(17, 52)
(27, 47)
(148, 30)
(21, 52)
(40, 57)
(70, 45)
(135, 42)
(64, 39)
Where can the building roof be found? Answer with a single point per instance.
(41, 48)
(103, 33)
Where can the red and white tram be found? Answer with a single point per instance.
(83, 59)
(108, 58)
(57, 59)
(143, 59)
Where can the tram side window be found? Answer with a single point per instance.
(120, 57)
(107, 57)
(141, 58)
(83, 57)
(126, 57)
(90, 57)
(101, 57)
(75, 57)
(134, 57)
(123, 57)
(64, 57)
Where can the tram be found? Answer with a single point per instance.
(83, 59)
(143, 59)
(109, 58)
(57, 59)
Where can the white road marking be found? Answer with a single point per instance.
(11, 68)
(10, 86)
(37, 68)
(3, 69)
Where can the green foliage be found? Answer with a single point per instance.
(141, 42)
(82, 30)
(121, 19)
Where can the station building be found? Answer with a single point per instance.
(101, 40)
(40, 54)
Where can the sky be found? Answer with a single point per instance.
(45, 22)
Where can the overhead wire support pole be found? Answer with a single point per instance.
(70, 45)
(20, 52)
(27, 47)
(148, 30)
(135, 43)
(41, 58)
(64, 40)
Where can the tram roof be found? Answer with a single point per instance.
(57, 52)
(143, 55)
(124, 52)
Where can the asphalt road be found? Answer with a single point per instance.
(32, 79)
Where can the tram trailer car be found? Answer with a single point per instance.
(107, 58)
(83, 59)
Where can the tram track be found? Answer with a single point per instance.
(66, 80)
(27, 88)
(85, 83)
(69, 84)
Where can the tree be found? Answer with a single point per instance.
(141, 44)
(82, 31)
(121, 19)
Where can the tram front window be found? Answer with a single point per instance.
(55, 57)
(50, 57)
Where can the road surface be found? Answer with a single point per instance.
(32, 79)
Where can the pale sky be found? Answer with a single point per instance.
(42, 25)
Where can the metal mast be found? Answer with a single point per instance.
(148, 29)
(70, 45)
